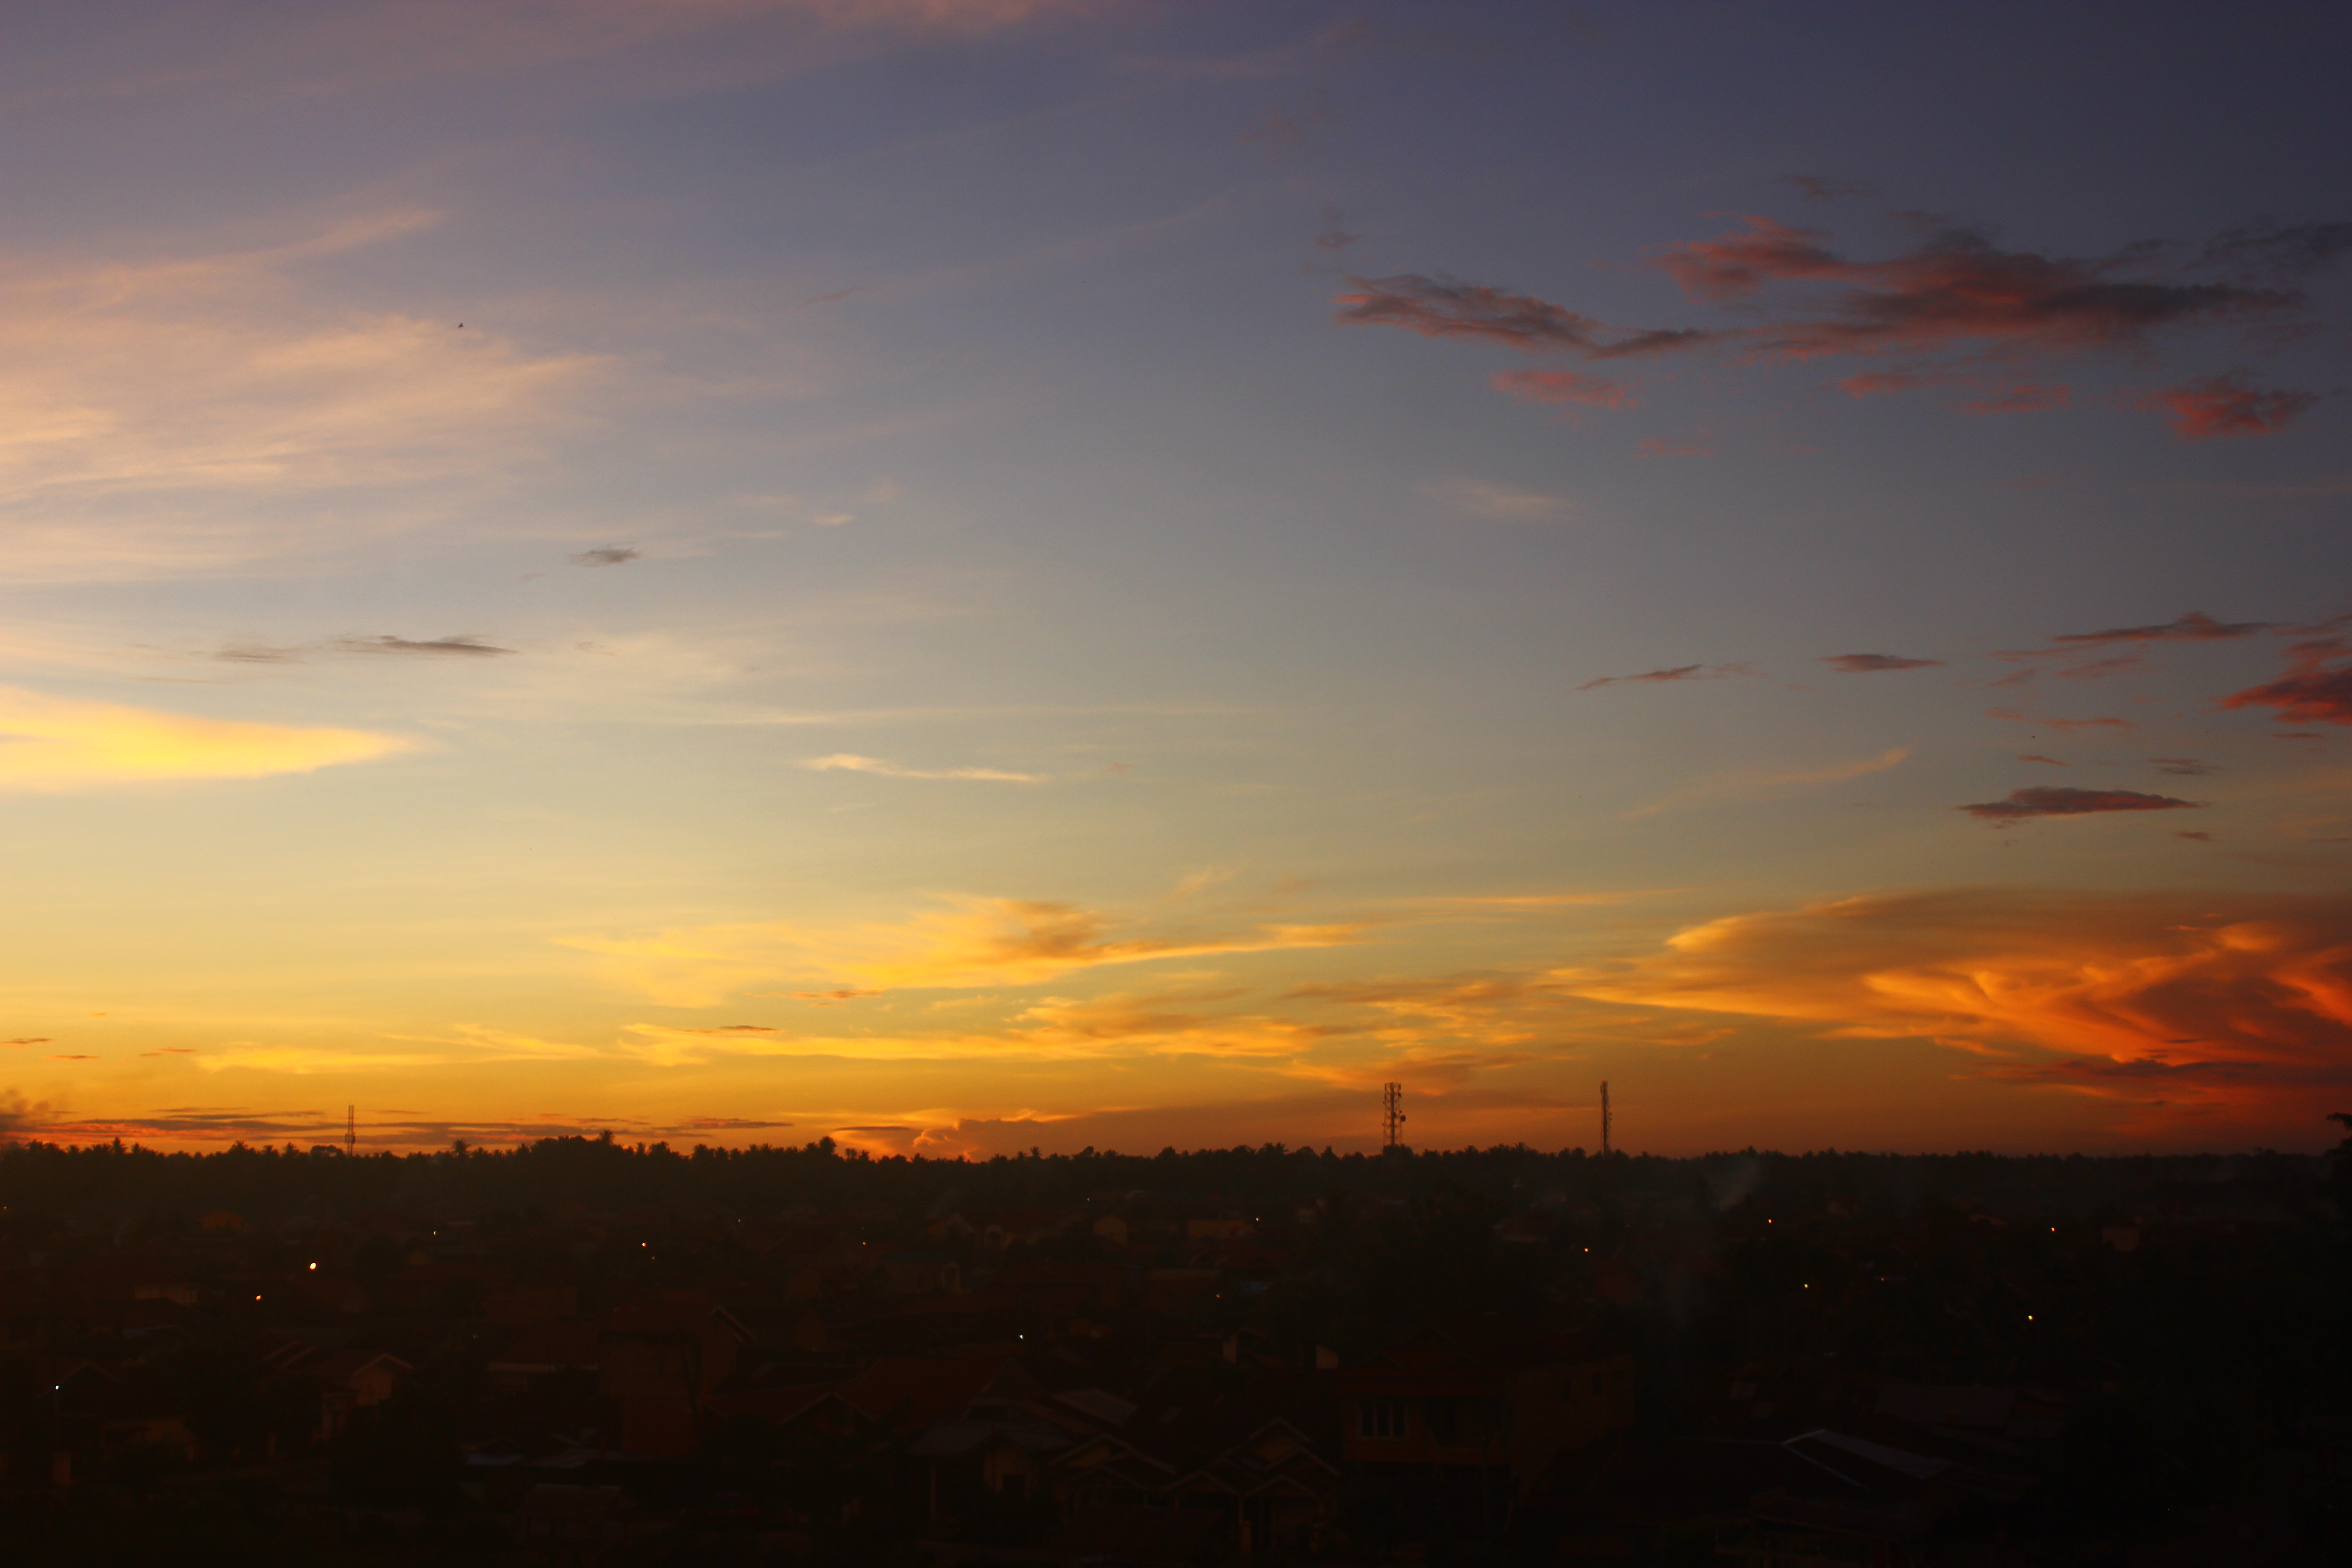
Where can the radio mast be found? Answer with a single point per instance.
(1605, 1121)
(1392, 1103)
(351, 1132)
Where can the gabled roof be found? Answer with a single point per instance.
(565, 1344)
(341, 1366)
(678, 1313)
(1486, 1342)
(953, 1439)
(921, 1389)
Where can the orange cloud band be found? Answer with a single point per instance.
(2241, 990)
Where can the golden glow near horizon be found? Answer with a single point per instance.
(970, 574)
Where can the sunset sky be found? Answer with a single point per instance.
(972, 574)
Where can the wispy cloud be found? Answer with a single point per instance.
(1955, 289)
(56, 742)
(1957, 306)
(1760, 785)
(2065, 726)
(846, 761)
(1506, 503)
(1564, 389)
(159, 415)
(970, 943)
(1054, 1028)
(1822, 188)
(2215, 406)
(2020, 399)
(1447, 308)
(1678, 672)
(2194, 627)
(458, 646)
(606, 555)
(1869, 663)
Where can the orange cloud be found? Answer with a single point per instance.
(1057, 1029)
(982, 942)
(2316, 690)
(56, 742)
(2195, 997)
(2217, 405)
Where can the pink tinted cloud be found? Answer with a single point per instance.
(1955, 289)
(1443, 307)
(1885, 383)
(1564, 388)
(2215, 406)
(2035, 757)
(1660, 446)
(2099, 669)
(1736, 264)
(1869, 663)
(2047, 800)
(2316, 690)
(2066, 725)
(2020, 400)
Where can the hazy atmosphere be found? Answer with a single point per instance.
(963, 576)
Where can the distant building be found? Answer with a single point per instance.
(1487, 1391)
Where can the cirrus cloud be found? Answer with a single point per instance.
(970, 943)
(844, 762)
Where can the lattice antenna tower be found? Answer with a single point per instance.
(352, 1132)
(1605, 1121)
(1393, 1104)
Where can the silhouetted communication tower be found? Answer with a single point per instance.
(352, 1130)
(1392, 1103)
(1605, 1121)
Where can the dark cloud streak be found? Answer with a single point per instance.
(1870, 663)
(2044, 800)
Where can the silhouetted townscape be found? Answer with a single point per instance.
(586, 1351)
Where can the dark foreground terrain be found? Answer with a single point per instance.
(580, 1352)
